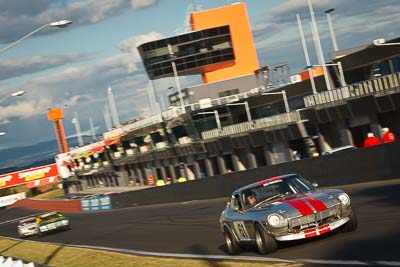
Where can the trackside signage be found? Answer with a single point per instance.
(25, 176)
(11, 199)
(96, 203)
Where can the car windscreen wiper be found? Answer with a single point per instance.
(268, 199)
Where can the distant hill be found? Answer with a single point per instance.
(25, 157)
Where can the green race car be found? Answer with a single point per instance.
(52, 221)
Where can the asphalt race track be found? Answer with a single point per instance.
(192, 227)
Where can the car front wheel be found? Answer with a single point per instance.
(231, 244)
(265, 243)
(352, 224)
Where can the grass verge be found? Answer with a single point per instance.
(62, 256)
(56, 193)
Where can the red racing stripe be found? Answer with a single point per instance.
(301, 206)
(269, 180)
(316, 203)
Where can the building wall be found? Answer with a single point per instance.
(235, 16)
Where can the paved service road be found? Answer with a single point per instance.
(192, 227)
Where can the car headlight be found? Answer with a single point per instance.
(65, 222)
(344, 199)
(276, 220)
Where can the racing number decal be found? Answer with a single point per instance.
(241, 230)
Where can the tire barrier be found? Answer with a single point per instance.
(150, 180)
(355, 166)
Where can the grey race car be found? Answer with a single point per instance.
(283, 208)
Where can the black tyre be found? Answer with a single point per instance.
(41, 234)
(265, 243)
(352, 224)
(231, 244)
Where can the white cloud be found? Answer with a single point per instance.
(139, 4)
(130, 45)
(15, 67)
(84, 88)
(22, 16)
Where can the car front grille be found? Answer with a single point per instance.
(318, 218)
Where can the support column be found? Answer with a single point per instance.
(268, 154)
(163, 174)
(323, 145)
(221, 164)
(84, 183)
(122, 177)
(235, 162)
(182, 170)
(346, 139)
(133, 174)
(196, 168)
(209, 167)
(251, 158)
(376, 128)
(172, 172)
(139, 172)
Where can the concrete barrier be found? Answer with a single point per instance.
(59, 205)
(355, 166)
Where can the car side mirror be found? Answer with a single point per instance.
(315, 184)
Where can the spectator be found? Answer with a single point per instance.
(371, 140)
(387, 136)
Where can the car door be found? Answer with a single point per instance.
(239, 219)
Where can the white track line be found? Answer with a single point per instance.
(223, 257)
(21, 218)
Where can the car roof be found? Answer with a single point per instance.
(27, 220)
(256, 184)
(48, 213)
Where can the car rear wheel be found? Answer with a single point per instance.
(265, 243)
(231, 244)
(352, 224)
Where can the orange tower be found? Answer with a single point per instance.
(56, 116)
(235, 16)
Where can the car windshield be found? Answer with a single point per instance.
(52, 216)
(269, 191)
(27, 221)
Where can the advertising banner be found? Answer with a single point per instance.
(11, 199)
(96, 203)
(25, 176)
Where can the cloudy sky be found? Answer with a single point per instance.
(72, 67)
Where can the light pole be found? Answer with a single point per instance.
(216, 114)
(318, 46)
(330, 25)
(75, 121)
(58, 24)
(382, 42)
(305, 50)
(246, 104)
(178, 85)
(15, 94)
(285, 101)
(341, 73)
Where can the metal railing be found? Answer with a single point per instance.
(382, 85)
(272, 121)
